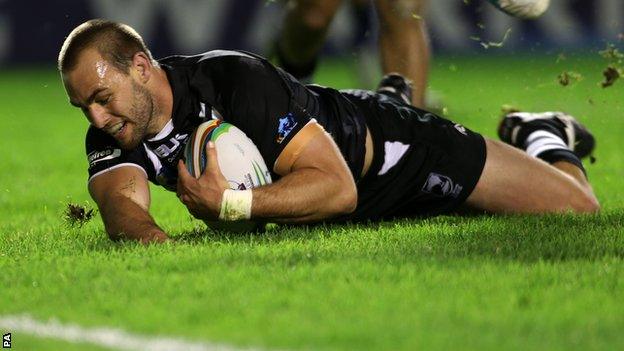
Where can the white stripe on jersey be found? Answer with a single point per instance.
(166, 130)
(217, 53)
(115, 167)
(154, 159)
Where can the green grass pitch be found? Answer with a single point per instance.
(476, 283)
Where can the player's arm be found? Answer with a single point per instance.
(123, 198)
(316, 182)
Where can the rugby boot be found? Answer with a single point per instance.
(397, 85)
(515, 127)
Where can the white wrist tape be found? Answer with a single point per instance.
(236, 205)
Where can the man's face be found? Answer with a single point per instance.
(112, 100)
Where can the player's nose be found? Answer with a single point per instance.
(97, 116)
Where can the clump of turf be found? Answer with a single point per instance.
(76, 215)
(614, 69)
(568, 77)
(611, 74)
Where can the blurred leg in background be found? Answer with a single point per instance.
(403, 42)
(303, 34)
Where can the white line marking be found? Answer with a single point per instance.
(106, 337)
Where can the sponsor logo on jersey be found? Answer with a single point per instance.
(98, 156)
(393, 152)
(460, 129)
(286, 125)
(441, 185)
(170, 146)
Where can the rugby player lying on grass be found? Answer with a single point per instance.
(346, 155)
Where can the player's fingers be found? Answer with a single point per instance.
(183, 175)
(182, 171)
(212, 164)
(183, 198)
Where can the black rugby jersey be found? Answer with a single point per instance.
(266, 103)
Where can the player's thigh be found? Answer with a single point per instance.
(513, 182)
(316, 14)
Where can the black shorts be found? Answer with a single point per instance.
(423, 165)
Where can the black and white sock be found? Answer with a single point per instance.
(541, 141)
(550, 147)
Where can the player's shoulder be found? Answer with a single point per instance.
(212, 57)
(98, 141)
(97, 138)
(103, 152)
(100, 147)
(227, 69)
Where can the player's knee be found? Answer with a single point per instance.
(586, 203)
(393, 11)
(316, 19)
(581, 202)
(402, 27)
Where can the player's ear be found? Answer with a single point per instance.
(142, 65)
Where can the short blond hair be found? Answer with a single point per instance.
(116, 42)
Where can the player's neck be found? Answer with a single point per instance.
(163, 101)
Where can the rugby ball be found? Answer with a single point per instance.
(524, 9)
(239, 160)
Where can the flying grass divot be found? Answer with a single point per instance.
(77, 215)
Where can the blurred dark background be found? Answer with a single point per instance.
(31, 32)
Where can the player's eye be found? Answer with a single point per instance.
(103, 101)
